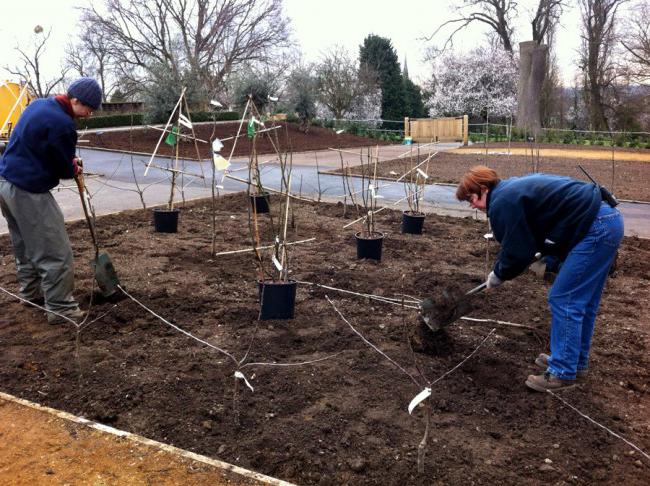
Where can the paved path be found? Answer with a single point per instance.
(114, 187)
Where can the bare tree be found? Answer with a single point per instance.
(598, 33)
(30, 68)
(496, 14)
(208, 38)
(341, 81)
(91, 56)
(636, 42)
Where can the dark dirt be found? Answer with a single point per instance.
(627, 179)
(287, 138)
(343, 420)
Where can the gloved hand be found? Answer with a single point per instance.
(78, 165)
(493, 281)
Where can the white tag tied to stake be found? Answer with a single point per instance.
(240, 375)
(488, 236)
(422, 173)
(277, 264)
(183, 120)
(372, 191)
(423, 395)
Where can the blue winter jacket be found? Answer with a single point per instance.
(41, 147)
(539, 213)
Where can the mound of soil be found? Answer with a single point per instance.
(627, 179)
(287, 138)
(341, 420)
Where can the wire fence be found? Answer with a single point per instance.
(499, 132)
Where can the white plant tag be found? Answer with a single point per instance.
(422, 173)
(488, 236)
(240, 375)
(372, 191)
(276, 263)
(183, 120)
(423, 395)
(217, 145)
(216, 103)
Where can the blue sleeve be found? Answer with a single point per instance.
(518, 245)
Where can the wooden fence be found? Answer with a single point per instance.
(423, 130)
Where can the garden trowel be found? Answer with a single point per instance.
(102, 267)
(449, 310)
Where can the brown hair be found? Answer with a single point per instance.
(477, 177)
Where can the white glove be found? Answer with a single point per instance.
(493, 281)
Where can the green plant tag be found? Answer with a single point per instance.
(171, 138)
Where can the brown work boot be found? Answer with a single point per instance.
(542, 362)
(75, 313)
(548, 382)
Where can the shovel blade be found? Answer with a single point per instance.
(105, 274)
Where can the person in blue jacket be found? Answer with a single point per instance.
(560, 217)
(41, 151)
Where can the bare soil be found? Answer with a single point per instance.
(286, 138)
(342, 420)
(628, 179)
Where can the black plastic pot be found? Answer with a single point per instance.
(412, 222)
(277, 299)
(165, 220)
(260, 202)
(369, 247)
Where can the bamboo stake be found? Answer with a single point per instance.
(155, 151)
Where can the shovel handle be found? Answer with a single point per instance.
(79, 179)
(477, 289)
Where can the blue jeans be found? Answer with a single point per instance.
(575, 295)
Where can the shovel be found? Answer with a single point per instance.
(438, 318)
(105, 273)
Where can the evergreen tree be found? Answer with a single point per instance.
(413, 104)
(377, 54)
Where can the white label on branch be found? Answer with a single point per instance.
(488, 236)
(217, 145)
(423, 395)
(183, 120)
(277, 264)
(216, 103)
(240, 375)
(422, 173)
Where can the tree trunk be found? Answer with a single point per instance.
(532, 70)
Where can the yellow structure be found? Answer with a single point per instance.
(13, 100)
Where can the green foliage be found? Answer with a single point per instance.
(413, 104)
(302, 96)
(377, 54)
(256, 86)
(161, 93)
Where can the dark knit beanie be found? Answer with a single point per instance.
(87, 91)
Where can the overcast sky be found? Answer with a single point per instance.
(317, 25)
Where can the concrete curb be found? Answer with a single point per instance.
(230, 468)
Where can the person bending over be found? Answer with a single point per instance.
(565, 218)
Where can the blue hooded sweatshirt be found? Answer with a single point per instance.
(41, 147)
(539, 213)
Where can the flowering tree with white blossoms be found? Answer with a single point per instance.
(482, 81)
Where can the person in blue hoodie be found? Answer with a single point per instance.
(560, 217)
(41, 151)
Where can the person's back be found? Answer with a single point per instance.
(41, 147)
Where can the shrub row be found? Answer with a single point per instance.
(498, 134)
(128, 119)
